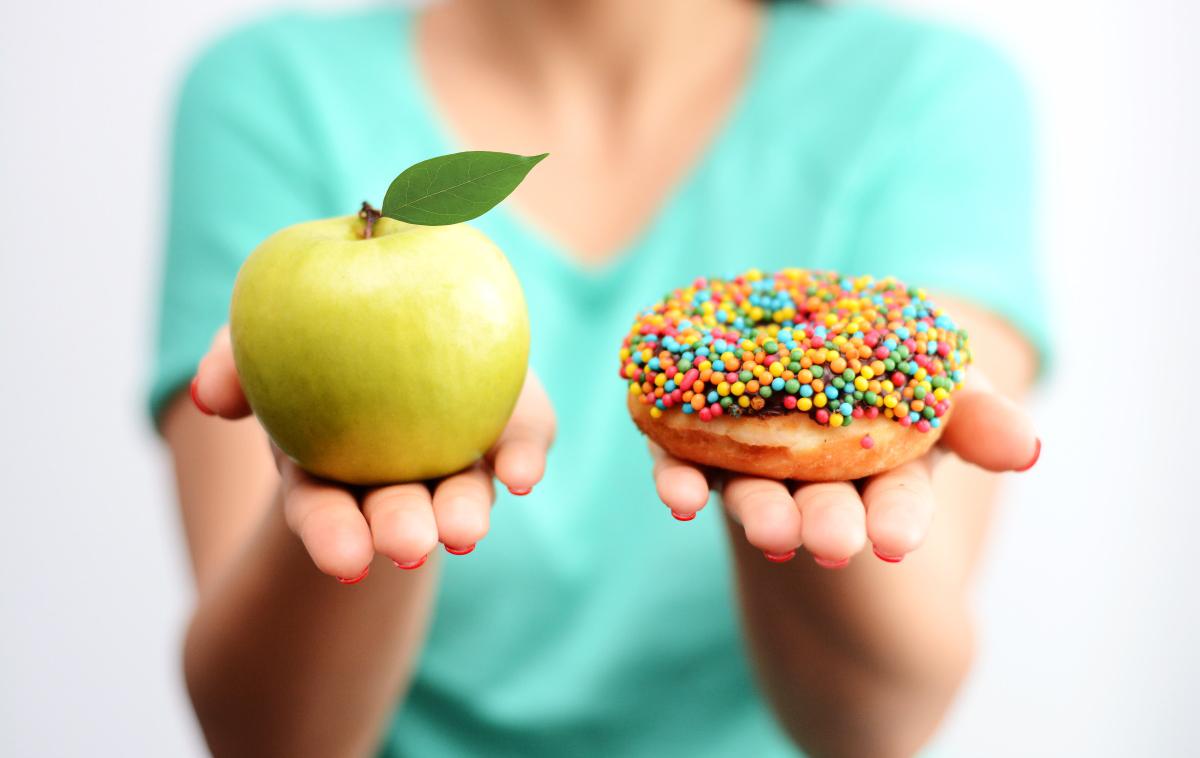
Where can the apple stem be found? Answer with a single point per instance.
(369, 215)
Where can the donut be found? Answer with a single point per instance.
(801, 374)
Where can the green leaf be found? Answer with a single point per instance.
(454, 188)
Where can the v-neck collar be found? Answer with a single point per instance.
(441, 137)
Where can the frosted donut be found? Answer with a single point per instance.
(804, 375)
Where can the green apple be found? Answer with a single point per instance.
(392, 358)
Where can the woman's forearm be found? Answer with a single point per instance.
(281, 659)
(865, 660)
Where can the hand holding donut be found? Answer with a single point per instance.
(405, 522)
(813, 402)
(834, 520)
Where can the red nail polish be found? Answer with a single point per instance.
(1037, 453)
(888, 558)
(826, 563)
(356, 579)
(411, 564)
(682, 516)
(780, 557)
(457, 551)
(196, 399)
(520, 491)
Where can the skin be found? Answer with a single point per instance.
(858, 660)
(279, 658)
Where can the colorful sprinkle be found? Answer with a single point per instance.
(835, 348)
(867, 442)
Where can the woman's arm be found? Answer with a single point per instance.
(865, 660)
(280, 659)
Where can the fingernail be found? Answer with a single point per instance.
(457, 551)
(520, 491)
(682, 516)
(1037, 453)
(888, 558)
(196, 399)
(780, 557)
(411, 564)
(826, 563)
(356, 579)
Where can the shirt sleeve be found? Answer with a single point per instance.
(242, 166)
(947, 202)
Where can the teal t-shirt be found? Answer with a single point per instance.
(590, 622)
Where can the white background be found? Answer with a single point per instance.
(1087, 599)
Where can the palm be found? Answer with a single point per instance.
(834, 520)
(344, 528)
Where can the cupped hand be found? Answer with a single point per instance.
(835, 520)
(343, 527)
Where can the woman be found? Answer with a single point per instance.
(687, 137)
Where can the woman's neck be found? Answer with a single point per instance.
(617, 46)
(625, 94)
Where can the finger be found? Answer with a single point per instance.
(834, 527)
(328, 522)
(216, 389)
(519, 456)
(402, 523)
(461, 507)
(899, 507)
(681, 486)
(767, 512)
(989, 430)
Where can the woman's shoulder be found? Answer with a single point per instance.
(869, 49)
(295, 44)
(877, 34)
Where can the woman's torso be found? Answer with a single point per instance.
(589, 621)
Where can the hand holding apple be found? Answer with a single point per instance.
(389, 350)
(388, 347)
(405, 522)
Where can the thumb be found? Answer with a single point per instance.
(216, 389)
(990, 430)
(519, 456)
